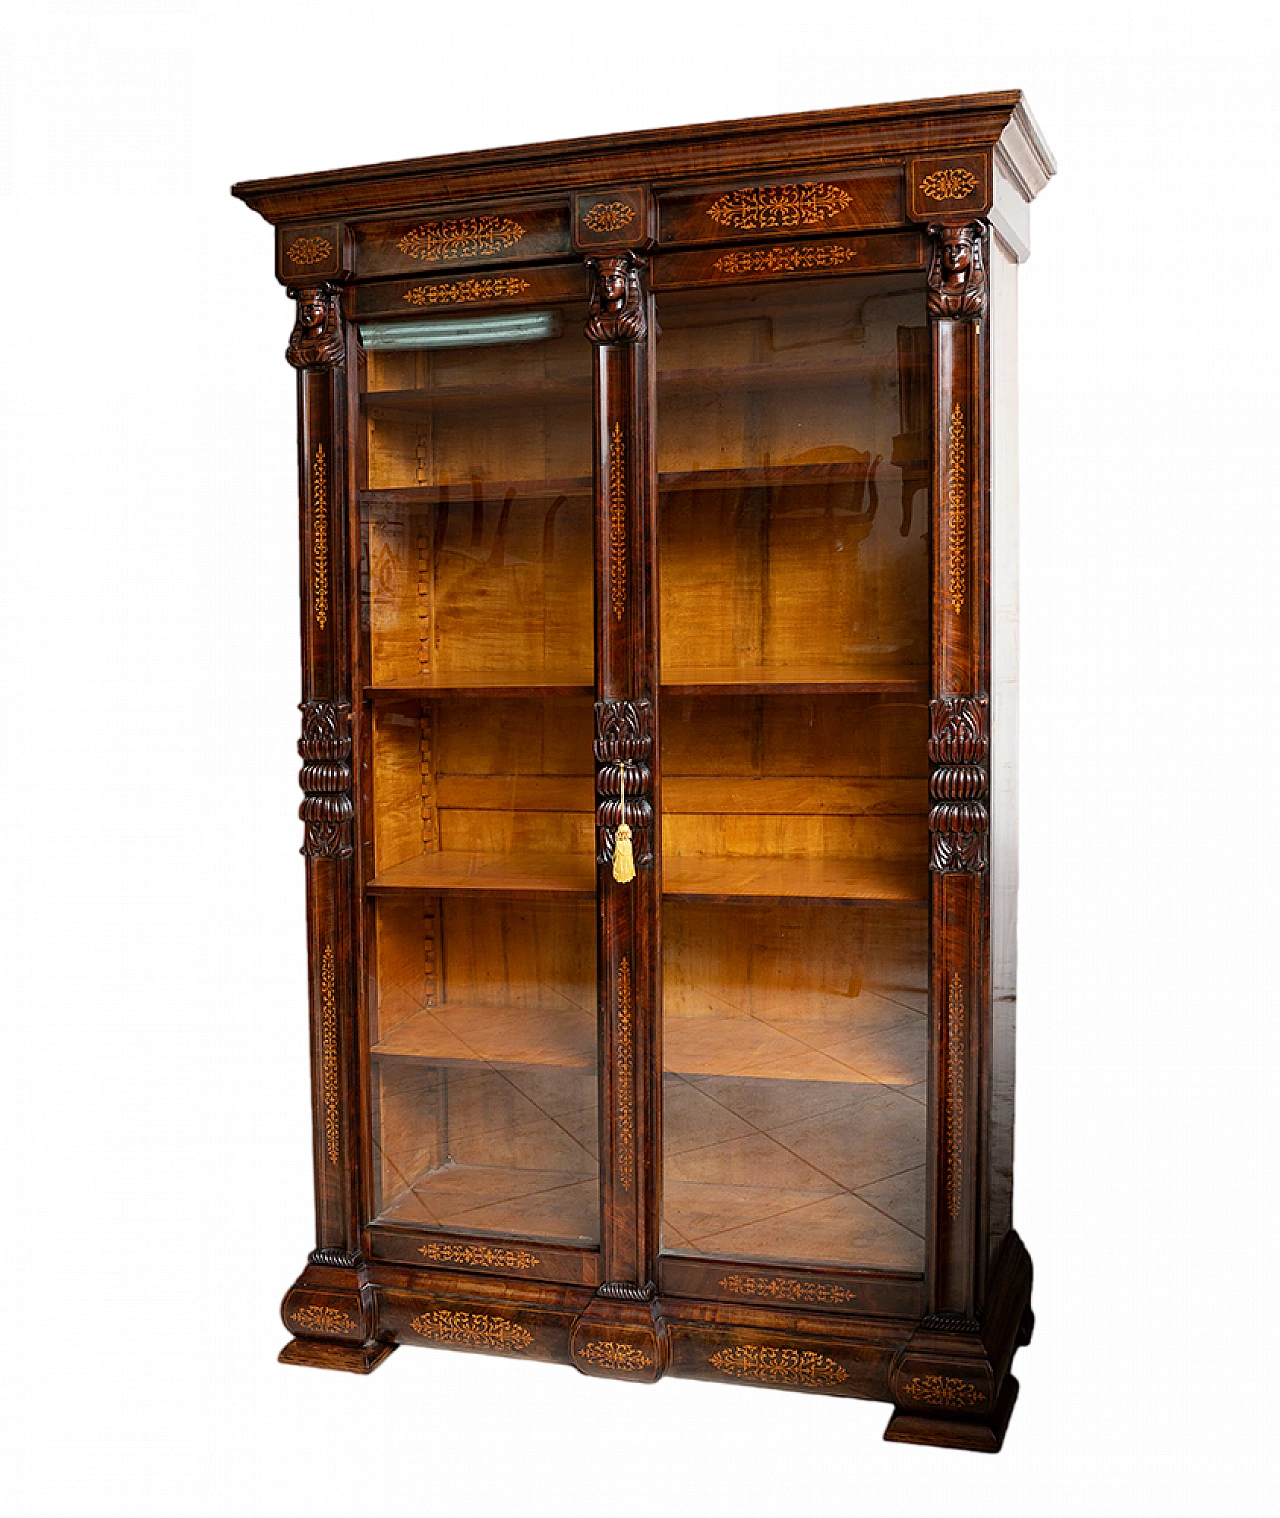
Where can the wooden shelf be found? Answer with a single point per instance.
(505, 683)
(796, 679)
(465, 874)
(772, 376)
(768, 476)
(853, 882)
(703, 1043)
(564, 1037)
(494, 395)
(464, 492)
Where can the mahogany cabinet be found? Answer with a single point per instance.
(658, 511)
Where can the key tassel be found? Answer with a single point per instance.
(624, 861)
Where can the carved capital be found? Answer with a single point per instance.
(325, 778)
(957, 271)
(958, 820)
(316, 341)
(624, 738)
(617, 300)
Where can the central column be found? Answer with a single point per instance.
(619, 1334)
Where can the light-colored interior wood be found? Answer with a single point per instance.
(795, 1044)
(781, 384)
(470, 574)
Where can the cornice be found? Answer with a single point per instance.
(671, 156)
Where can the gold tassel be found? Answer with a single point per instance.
(624, 861)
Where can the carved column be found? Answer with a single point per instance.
(330, 1309)
(618, 1334)
(958, 743)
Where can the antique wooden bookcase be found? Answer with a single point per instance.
(659, 555)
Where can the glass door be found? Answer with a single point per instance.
(477, 664)
(793, 455)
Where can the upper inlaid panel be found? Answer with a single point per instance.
(782, 209)
(959, 185)
(458, 239)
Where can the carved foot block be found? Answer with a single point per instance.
(985, 1435)
(624, 1340)
(358, 1358)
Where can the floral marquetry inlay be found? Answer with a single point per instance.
(615, 1356)
(779, 205)
(320, 536)
(785, 258)
(460, 290)
(611, 216)
(958, 539)
(479, 1254)
(955, 1093)
(464, 237)
(472, 1328)
(303, 251)
(948, 184)
(322, 1320)
(618, 521)
(779, 1367)
(329, 1053)
(625, 1059)
(943, 1391)
(785, 1289)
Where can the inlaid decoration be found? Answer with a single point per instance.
(779, 205)
(322, 1320)
(785, 258)
(615, 1356)
(957, 502)
(610, 216)
(329, 1053)
(949, 184)
(304, 251)
(320, 537)
(786, 1289)
(463, 237)
(617, 521)
(779, 1367)
(479, 1254)
(943, 1391)
(625, 1091)
(954, 1122)
(471, 1328)
(503, 287)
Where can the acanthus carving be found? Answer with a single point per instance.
(316, 340)
(617, 301)
(624, 736)
(957, 271)
(958, 821)
(325, 778)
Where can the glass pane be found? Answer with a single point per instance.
(793, 446)
(478, 663)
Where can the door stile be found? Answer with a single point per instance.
(958, 751)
